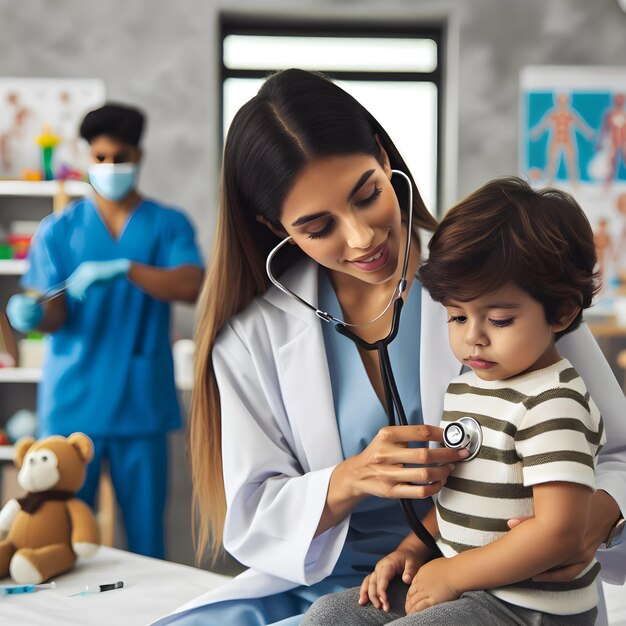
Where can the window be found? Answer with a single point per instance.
(393, 70)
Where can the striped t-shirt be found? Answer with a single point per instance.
(538, 427)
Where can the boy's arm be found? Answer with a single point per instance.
(413, 544)
(556, 531)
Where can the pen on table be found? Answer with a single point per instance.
(13, 589)
(99, 588)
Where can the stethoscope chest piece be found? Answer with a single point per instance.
(464, 433)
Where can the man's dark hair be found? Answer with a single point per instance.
(119, 121)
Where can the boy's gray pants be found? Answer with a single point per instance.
(472, 608)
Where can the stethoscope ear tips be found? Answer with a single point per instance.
(464, 433)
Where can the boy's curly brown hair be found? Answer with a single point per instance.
(506, 231)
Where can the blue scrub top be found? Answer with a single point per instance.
(377, 525)
(108, 371)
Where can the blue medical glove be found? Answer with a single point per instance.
(95, 272)
(24, 312)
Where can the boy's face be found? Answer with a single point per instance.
(501, 334)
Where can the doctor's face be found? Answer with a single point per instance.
(502, 334)
(344, 214)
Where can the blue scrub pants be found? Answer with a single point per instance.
(138, 467)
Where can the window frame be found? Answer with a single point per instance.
(237, 24)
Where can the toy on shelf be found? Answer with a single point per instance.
(47, 142)
(20, 234)
(32, 175)
(65, 172)
(48, 528)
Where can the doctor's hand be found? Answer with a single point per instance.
(388, 468)
(95, 272)
(24, 312)
(384, 469)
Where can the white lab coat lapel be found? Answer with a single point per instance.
(438, 365)
(305, 379)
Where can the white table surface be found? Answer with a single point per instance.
(152, 589)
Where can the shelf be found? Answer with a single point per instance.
(74, 188)
(7, 453)
(20, 375)
(13, 267)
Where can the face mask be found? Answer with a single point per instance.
(113, 181)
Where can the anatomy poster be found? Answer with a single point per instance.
(29, 107)
(573, 136)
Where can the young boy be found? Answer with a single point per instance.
(514, 268)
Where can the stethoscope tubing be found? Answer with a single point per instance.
(393, 401)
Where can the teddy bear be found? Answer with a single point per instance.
(48, 528)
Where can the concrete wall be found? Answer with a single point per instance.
(162, 56)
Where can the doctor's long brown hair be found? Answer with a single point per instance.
(296, 117)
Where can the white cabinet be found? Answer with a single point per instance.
(25, 201)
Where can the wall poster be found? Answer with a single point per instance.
(573, 136)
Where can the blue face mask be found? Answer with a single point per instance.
(113, 181)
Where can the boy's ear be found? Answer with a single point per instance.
(566, 317)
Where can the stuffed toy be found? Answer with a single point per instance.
(48, 528)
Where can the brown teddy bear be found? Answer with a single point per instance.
(49, 527)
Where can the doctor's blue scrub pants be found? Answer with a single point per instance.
(143, 498)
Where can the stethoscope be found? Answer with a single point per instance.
(393, 402)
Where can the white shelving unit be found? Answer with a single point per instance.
(43, 188)
(20, 374)
(7, 453)
(33, 198)
(13, 267)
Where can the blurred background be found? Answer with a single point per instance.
(457, 83)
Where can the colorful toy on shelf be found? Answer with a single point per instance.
(47, 142)
(49, 528)
(65, 172)
(31, 175)
(20, 234)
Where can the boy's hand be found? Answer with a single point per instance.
(431, 586)
(374, 586)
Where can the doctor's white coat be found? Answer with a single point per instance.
(281, 443)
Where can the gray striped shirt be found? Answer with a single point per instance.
(537, 428)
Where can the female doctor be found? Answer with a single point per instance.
(291, 411)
